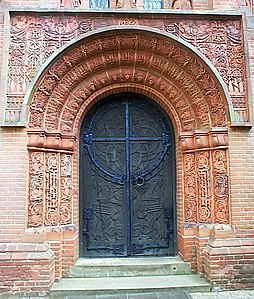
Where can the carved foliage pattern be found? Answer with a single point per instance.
(50, 189)
(65, 211)
(190, 202)
(36, 187)
(33, 39)
(221, 42)
(220, 181)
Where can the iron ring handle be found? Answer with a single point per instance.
(138, 181)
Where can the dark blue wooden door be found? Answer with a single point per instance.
(127, 180)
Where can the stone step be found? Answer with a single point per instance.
(119, 267)
(121, 285)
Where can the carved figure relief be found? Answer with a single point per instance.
(126, 4)
(182, 4)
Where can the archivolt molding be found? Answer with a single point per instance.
(128, 57)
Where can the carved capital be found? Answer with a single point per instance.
(214, 138)
(50, 140)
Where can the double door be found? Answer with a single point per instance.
(127, 180)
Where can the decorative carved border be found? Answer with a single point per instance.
(206, 192)
(50, 189)
(34, 38)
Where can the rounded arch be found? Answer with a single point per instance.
(172, 73)
(153, 58)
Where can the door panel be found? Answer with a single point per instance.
(127, 180)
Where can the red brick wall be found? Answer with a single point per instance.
(13, 179)
(229, 263)
(26, 269)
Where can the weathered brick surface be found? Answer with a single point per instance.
(26, 268)
(229, 263)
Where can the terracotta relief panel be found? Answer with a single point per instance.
(203, 168)
(206, 192)
(220, 183)
(34, 39)
(222, 43)
(50, 189)
(190, 188)
(36, 189)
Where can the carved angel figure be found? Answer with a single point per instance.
(182, 4)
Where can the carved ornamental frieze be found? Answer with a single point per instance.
(34, 39)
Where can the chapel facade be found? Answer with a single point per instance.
(126, 131)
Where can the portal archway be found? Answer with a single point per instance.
(143, 62)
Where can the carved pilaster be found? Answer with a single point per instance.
(190, 202)
(220, 182)
(36, 188)
(65, 210)
(203, 169)
(206, 194)
(50, 179)
(51, 189)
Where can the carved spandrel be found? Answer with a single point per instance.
(33, 40)
(222, 43)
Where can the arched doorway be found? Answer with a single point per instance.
(127, 179)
